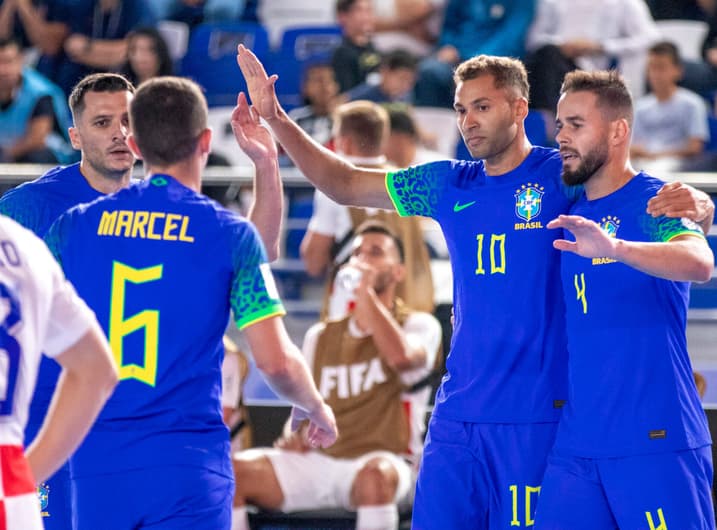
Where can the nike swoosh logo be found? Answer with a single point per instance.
(457, 207)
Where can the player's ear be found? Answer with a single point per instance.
(132, 144)
(75, 138)
(205, 141)
(620, 131)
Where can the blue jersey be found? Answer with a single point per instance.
(161, 266)
(508, 357)
(36, 205)
(631, 385)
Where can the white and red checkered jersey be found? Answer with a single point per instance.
(39, 312)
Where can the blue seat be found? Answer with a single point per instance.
(211, 58)
(301, 46)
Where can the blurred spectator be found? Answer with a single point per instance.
(472, 28)
(319, 90)
(97, 38)
(570, 34)
(411, 25)
(403, 147)
(356, 56)
(41, 24)
(397, 80)
(670, 121)
(34, 116)
(372, 368)
(194, 12)
(147, 56)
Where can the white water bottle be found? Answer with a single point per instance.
(343, 294)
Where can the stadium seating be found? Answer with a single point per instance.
(300, 46)
(211, 58)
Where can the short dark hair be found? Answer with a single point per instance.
(342, 6)
(401, 120)
(167, 116)
(102, 82)
(364, 121)
(613, 96)
(399, 58)
(668, 49)
(372, 226)
(506, 72)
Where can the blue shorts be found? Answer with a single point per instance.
(481, 475)
(55, 493)
(651, 492)
(163, 498)
(56, 500)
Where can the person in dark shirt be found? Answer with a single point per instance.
(356, 56)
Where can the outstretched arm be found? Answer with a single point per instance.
(684, 258)
(676, 199)
(340, 180)
(268, 200)
(285, 369)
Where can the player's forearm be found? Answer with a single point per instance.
(292, 380)
(266, 207)
(340, 180)
(689, 259)
(77, 402)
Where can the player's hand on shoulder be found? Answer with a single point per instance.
(677, 199)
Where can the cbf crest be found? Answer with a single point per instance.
(43, 494)
(610, 224)
(529, 201)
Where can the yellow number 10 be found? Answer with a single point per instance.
(497, 256)
(529, 506)
(119, 327)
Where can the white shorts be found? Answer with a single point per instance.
(312, 480)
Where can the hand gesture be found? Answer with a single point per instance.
(591, 241)
(676, 199)
(253, 138)
(322, 424)
(260, 85)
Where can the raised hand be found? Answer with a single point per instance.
(253, 138)
(322, 424)
(591, 241)
(260, 85)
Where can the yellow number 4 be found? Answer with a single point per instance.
(119, 327)
(660, 518)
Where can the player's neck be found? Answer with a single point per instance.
(608, 179)
(510, 158)
(188, 172)
(105, 184)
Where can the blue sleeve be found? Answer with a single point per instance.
(416, 190)
(15, 204)
(56, 237)
(254, 296)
